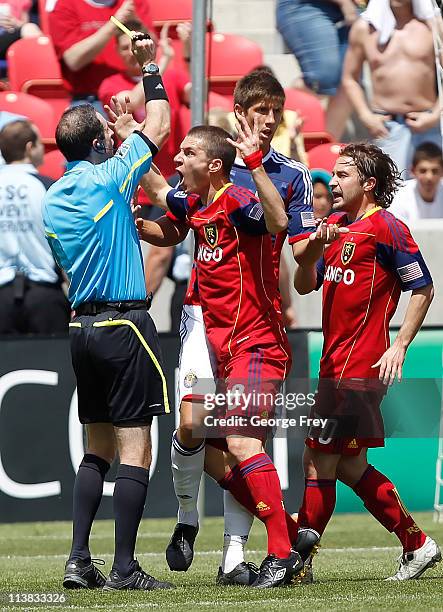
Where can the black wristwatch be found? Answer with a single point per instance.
(150, 69)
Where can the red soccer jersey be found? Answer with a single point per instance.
(363, 274)
(236, 280)
(74, 20)
(293, 182)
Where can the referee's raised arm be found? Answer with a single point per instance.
(157, 124)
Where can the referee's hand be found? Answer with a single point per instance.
(143, 48)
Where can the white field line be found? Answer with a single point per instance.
(209, 553)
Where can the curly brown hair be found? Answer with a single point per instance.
(371, 161)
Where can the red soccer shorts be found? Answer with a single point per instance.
(248, 401)
(351, 418)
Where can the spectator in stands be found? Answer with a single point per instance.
(322, 198)
(317, 34)
(395, 38)
(31, 297)
(422, 196)
(84, 40)
(15, 24)
(128, 82)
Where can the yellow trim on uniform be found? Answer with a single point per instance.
(134, 167)
(371, 212)
(221, 192)
(103, 211)
(145, 345)
(51, 235)
(75, 324)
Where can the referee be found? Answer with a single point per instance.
(114, 344)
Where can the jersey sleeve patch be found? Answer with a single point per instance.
(410, 272)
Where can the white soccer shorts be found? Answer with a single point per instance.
(196, 361)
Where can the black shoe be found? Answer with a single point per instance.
(180, 551)
(307, 543)
(243, 574)
(138, 580)
(81, 574)
(275, 572)
(307, 546)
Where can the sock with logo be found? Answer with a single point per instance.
(238, 523)
(131, 486)
(380, 497)
(234, 483)
(187, 469)
(318, 503)
(260, 478)
(88, 490)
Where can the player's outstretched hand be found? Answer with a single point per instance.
(143, 48)
(248, 141)
(327, 232)
(121, 120)
(391, 364)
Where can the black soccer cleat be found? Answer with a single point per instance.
(276, 572)
(307, 543)
(81, 574)
(244, 574)
(139, 580)
(180, 550)
(307, 546)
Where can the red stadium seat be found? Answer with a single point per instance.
(37, 110)
(315, 139)
(53, 165)
(33, 68)
(324, 156)
(230, 58)
(216, 100)
(308, 107)
(170, 11)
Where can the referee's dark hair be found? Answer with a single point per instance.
(215, 145)
(77, 130)
(13, 140)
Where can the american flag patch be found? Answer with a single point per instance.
(307, 219)
(256, 212)
(410, 272)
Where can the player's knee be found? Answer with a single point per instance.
(108, 451)
(238, 448)
(185, 434)
(139, 457)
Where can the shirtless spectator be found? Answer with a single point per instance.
(398, 45)
(84, 40)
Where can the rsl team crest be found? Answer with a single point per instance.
(347, 252)
(211, 234)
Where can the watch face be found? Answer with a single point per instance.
(151, 69)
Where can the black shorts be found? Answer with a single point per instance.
(118, 365)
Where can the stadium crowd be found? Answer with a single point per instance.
(241, 191)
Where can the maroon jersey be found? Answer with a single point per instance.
(236, 279)
(363, 274)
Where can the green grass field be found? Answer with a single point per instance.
(356, 555)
